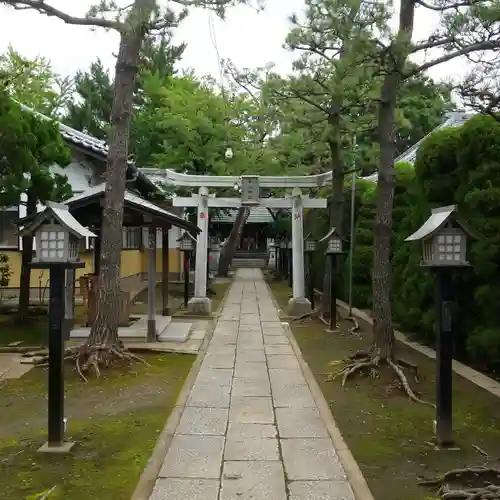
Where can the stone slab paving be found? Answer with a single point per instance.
(11, 366)
(251, 428)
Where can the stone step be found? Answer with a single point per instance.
(138, 329)
(175, 332)
(248, 263)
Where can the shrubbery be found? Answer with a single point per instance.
(460, 166)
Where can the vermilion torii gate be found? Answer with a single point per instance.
(250, 188)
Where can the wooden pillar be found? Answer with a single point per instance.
(97, 253)
(69, 303)
(164, 272)
(152, 284)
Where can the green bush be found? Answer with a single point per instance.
(459, 165)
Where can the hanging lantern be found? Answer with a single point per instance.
(229, 153)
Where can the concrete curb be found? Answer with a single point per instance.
(351, 467)
(477, 378)
(149, 475)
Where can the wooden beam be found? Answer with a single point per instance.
(152, 284)
(164, 272)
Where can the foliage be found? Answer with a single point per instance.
(30, 145)
(91, 112)
(453, 166)
(33, 82)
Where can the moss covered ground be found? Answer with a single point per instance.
(389, 436)
(115, 421)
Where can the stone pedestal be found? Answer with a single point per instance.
(200, 305)
(62, 449)
(297, 306)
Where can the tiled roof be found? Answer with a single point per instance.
(453, 119)
(83, 139)
(136, 201)
(87, 141)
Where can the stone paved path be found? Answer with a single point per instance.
(11, 367)
(251, 428)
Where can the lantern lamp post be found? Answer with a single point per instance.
(444, 248)
(272, 253)
(333, 250)
(290, 263)
(283, 253)
(186, 246)
(310, 246)
(278, 257)
(57, 235)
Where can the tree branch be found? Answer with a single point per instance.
(432, 44)
(442, 8)
(51, 11)
(488, 45)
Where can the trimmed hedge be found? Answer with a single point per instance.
(459, 165)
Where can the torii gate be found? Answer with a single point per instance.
(200, 303)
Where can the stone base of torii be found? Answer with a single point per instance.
(200, 303)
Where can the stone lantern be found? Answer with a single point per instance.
(310, 246)
(334, 242)
(333, 250)
(186, 246)
(444, 238)
(57, 235)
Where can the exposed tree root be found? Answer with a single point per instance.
(486, 481)
(354, 328)
(368, 361)
(305, 317)
(91, 358)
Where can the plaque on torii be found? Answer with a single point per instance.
(250, 190)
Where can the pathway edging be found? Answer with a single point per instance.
(351, 467)
(477, 378)
(149, 475)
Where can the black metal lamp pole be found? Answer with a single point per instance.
(56, 356)
(333, 292)
(186, 277)
(56, 349)
(278, 261)
(284, 262)
(444, 357)
(310, 246)
(310, 281)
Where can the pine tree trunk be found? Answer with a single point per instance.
(336, 200)
(26, 258)
(229, 249)
(383, 332)
(104, 331)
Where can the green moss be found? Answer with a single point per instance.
(32, 333)
(115, 421)
(388, 435)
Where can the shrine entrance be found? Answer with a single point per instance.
(249, 185)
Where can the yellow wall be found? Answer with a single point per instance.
(173, 260)
(132, 262)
